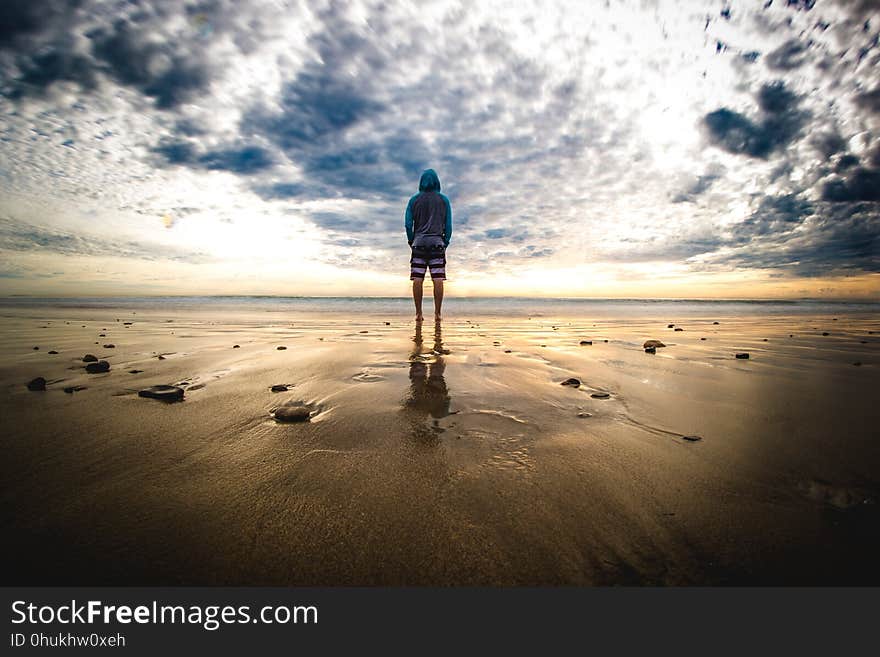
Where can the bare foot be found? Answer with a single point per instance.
(419, 318)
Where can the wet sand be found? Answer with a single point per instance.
(449, 455)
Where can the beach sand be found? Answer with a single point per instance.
(445, 456)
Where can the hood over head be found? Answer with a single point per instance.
(429, 181)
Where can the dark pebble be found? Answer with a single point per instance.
(507, 351)
(678, 328)
(135, 371)
(363, 331)
(600, 395)
(586, 342)
(715, 323)
(127, 323)
(858, 363)
(670, 325)
(653, 343)
(37, 384)
(702, 338)
(53, 352)
(109, 346)
(693, 439)
(280, 387)
(235, 346)
(742, 356)
(162, 392)
(72, 389)
(97, 368)
(282, 348)
(102, 335)
(765, 339)
(572, 382)
(387, 323)
(36, 348)
(584, 414)
(650, 350)
(826, 333)
(90, 358)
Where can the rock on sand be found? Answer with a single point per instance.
(572, 382)
(37, 384)
(653, 344)
(292, 412)
(90, 358)
(97, 368)
(162, 392)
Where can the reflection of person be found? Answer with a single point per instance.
(427, 385)
(428, 223)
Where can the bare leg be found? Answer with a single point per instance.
(438, 297)
(417, 297)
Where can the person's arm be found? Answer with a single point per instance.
(447, 231)
(408, 222)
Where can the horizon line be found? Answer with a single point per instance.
(468, 297)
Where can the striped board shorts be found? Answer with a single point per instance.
(425, 259)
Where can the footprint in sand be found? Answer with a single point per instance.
(367, 377)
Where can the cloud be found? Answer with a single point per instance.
(869, 100)
(776, 216)
(16, 236)
(788, 56)
(698, 186)
(780, 123)
(857, 184)
(832, 238)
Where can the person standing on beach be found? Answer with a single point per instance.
(428, 223)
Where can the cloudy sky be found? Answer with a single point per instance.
(650, 148)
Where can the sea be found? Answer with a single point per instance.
(460, 307)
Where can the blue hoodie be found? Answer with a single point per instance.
(428, 218)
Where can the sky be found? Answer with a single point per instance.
(589, 149)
